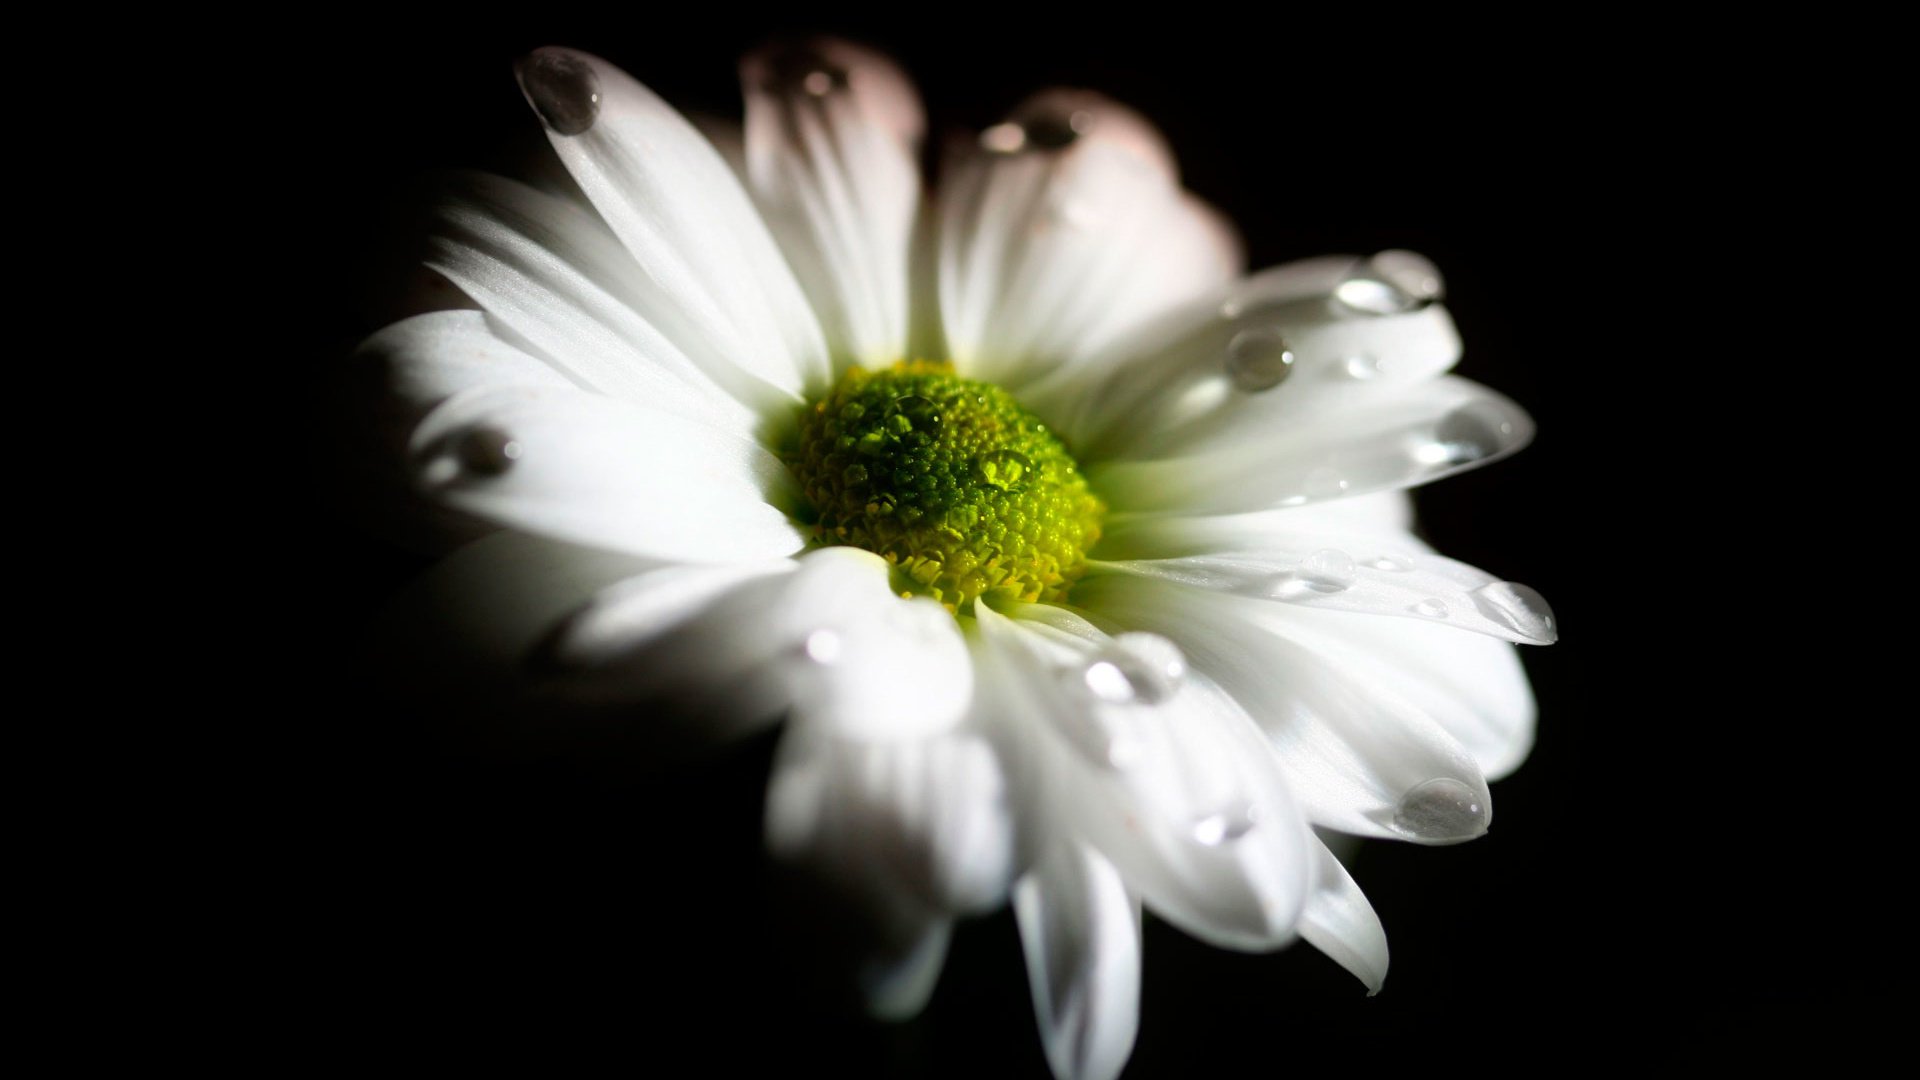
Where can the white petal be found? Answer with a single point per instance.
(898, 979)
(930, 817)
(549, 269)
(827, 640)
(1420, 434)
(426, 359)
(1081, 933)
(1387, 577)
(1339, 922)
(1181, 793)
(1047, 255)
(1359, 757)
(832, 145)
(720, 283)
(1472, 686)
(596, 470)
(1275, 351)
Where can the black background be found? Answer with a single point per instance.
(1659, 864)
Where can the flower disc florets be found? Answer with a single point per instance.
(964, 491)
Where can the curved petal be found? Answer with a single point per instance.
(1274, 352)
(596, 470)
(1176, 786)
(832, 145)
(1358, 756)
(1423, 433)
(548, 269)
(717, 281)
(823, 637)
(1339, 922)
(1080, 930)
(930, 816)
(424, 360)
(1061, 231)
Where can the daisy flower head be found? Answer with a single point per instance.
(1075, 562)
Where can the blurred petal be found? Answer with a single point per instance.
(1080, 930)
(1061, 231)
(832, 145)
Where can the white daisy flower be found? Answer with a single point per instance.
(1074, 561)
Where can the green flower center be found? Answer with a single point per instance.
(950, 480)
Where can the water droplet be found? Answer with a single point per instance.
(1004, 139)
(1518, 608)
(1430, 609)
(1325, 482)
(1469, 433)
(1135, 669)
(1390, 283)
(1365, 367)
(1330, 569)
(1258, 359)
(824, 646)
(799, 69)
(1444, 809)
(1398, 564)
(563, 90)
(854, 474)
(1002, 468)
(488, 451)
(916, 412)
(1225, 826)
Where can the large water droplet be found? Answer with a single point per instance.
(1430, 609)
(488, 451)
(1518, 608)
(1469, 433)
(563, 90)
(1391, 283)
(1225, 826)
(1003, 468)
(1135, 669)
(1444, 810)
(1258, 359)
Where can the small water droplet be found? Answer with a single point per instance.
(1398, 564)
(800, 69)
(1330, 569)
(1004, 138)
(1430, 609)
(1003, 468)
(1518, 608)
(1365, 367)
(563, 90)
(488, 451)
(1390, 283)
(854, 474)
(1225, 826)
(1135, 669)
(824, 646)
(916, 412)
(1258, 359)
(1325, 482)
(1444, 809)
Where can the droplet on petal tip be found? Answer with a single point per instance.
(1442, 810)
(1391, 283)
(562, 88)
(1518, 608)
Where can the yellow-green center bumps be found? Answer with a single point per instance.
(950, 480)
